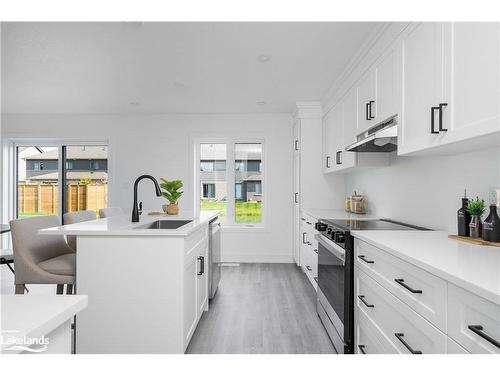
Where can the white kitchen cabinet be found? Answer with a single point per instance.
(422, 51)
(333, 124)
(388, 73)
(350, 128)
(450, 85)
(312, 188)
(367, 103)
(202, 280)
(190, 297)
(473, 71)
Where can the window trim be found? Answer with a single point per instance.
(230, 180)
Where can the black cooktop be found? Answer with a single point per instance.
(382, 224)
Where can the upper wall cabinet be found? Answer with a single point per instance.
(451, 84)
(422, 86)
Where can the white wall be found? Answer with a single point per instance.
(162, 145)
(427, 191)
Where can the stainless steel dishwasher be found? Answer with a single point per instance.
(214, 257)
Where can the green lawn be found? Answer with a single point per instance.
(246, 212)
(23, 215)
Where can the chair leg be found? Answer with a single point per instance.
(69, 289)
(20, 288)
(60, 288)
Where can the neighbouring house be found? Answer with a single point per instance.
(82, 164)
(248, 175)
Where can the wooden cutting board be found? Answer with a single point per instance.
(474, 241)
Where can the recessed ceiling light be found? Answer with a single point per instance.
(261, 103)
(264, 58)
(178, 83)
(135, 104)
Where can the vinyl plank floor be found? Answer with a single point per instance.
(261, 308)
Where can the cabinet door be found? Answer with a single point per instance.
(350, 127)
(202, 280)
(367, 101)
(332, 136)
(190, 297)
(475, 76)
(296, 197)
(387, 85)
(422, 86)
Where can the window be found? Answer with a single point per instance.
(208, 190)
(230, 180)
(38, 185)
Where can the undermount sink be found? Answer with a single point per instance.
(165, 224)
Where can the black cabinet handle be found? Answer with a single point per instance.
(303, 219)
(370, 103)
(441, 106)
(309, 243)
(316, 251)
(304, 238)
(433, 109)
(338, 157)
(308, 222)
(309, 268)
(328, 161)
(367, 111)
(478, 330)
(202, 265)
(362, 257)
(400, 336)
(362, 349)
(315, 279)
(296, 197)
(402, 283)
(362, 299)
(296, 145)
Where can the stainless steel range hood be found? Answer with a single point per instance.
(382, 137)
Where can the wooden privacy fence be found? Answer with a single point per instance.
(44, 198)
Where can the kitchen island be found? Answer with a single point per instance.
(147, 287)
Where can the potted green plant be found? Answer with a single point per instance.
(172, 194)
(476, 208)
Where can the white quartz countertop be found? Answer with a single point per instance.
(35, 315)
(123, 226)
(472, 267)
(320, 213)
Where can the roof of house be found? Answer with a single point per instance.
(87, 152)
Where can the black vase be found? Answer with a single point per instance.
(491, 226)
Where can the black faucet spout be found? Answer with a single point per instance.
(135, 209)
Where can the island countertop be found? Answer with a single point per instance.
(123, 226)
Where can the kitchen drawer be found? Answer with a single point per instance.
(453, 348)
(368, 338)
(428, 297)
(396, 319)
(467, 309)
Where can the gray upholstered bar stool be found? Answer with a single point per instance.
(110, 211)
(41, 259)
(77, 217)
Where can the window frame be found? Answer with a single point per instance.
(10, 146)
(230, 181)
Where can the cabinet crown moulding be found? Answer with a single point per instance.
(307, 110)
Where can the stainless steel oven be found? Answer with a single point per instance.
(335, 292)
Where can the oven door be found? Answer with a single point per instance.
(331, 281)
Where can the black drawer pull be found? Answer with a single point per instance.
(362, 349)
(362, 299)
(400, 336)
(315, 279)
(478, 330)
(316, 251)
(202, 265)
(402, 283)
(309, 268)
(308, 222)
(309, 243)
(433, 131)
(441, 105)
(362, 257)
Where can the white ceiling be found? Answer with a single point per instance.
(171, 67)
